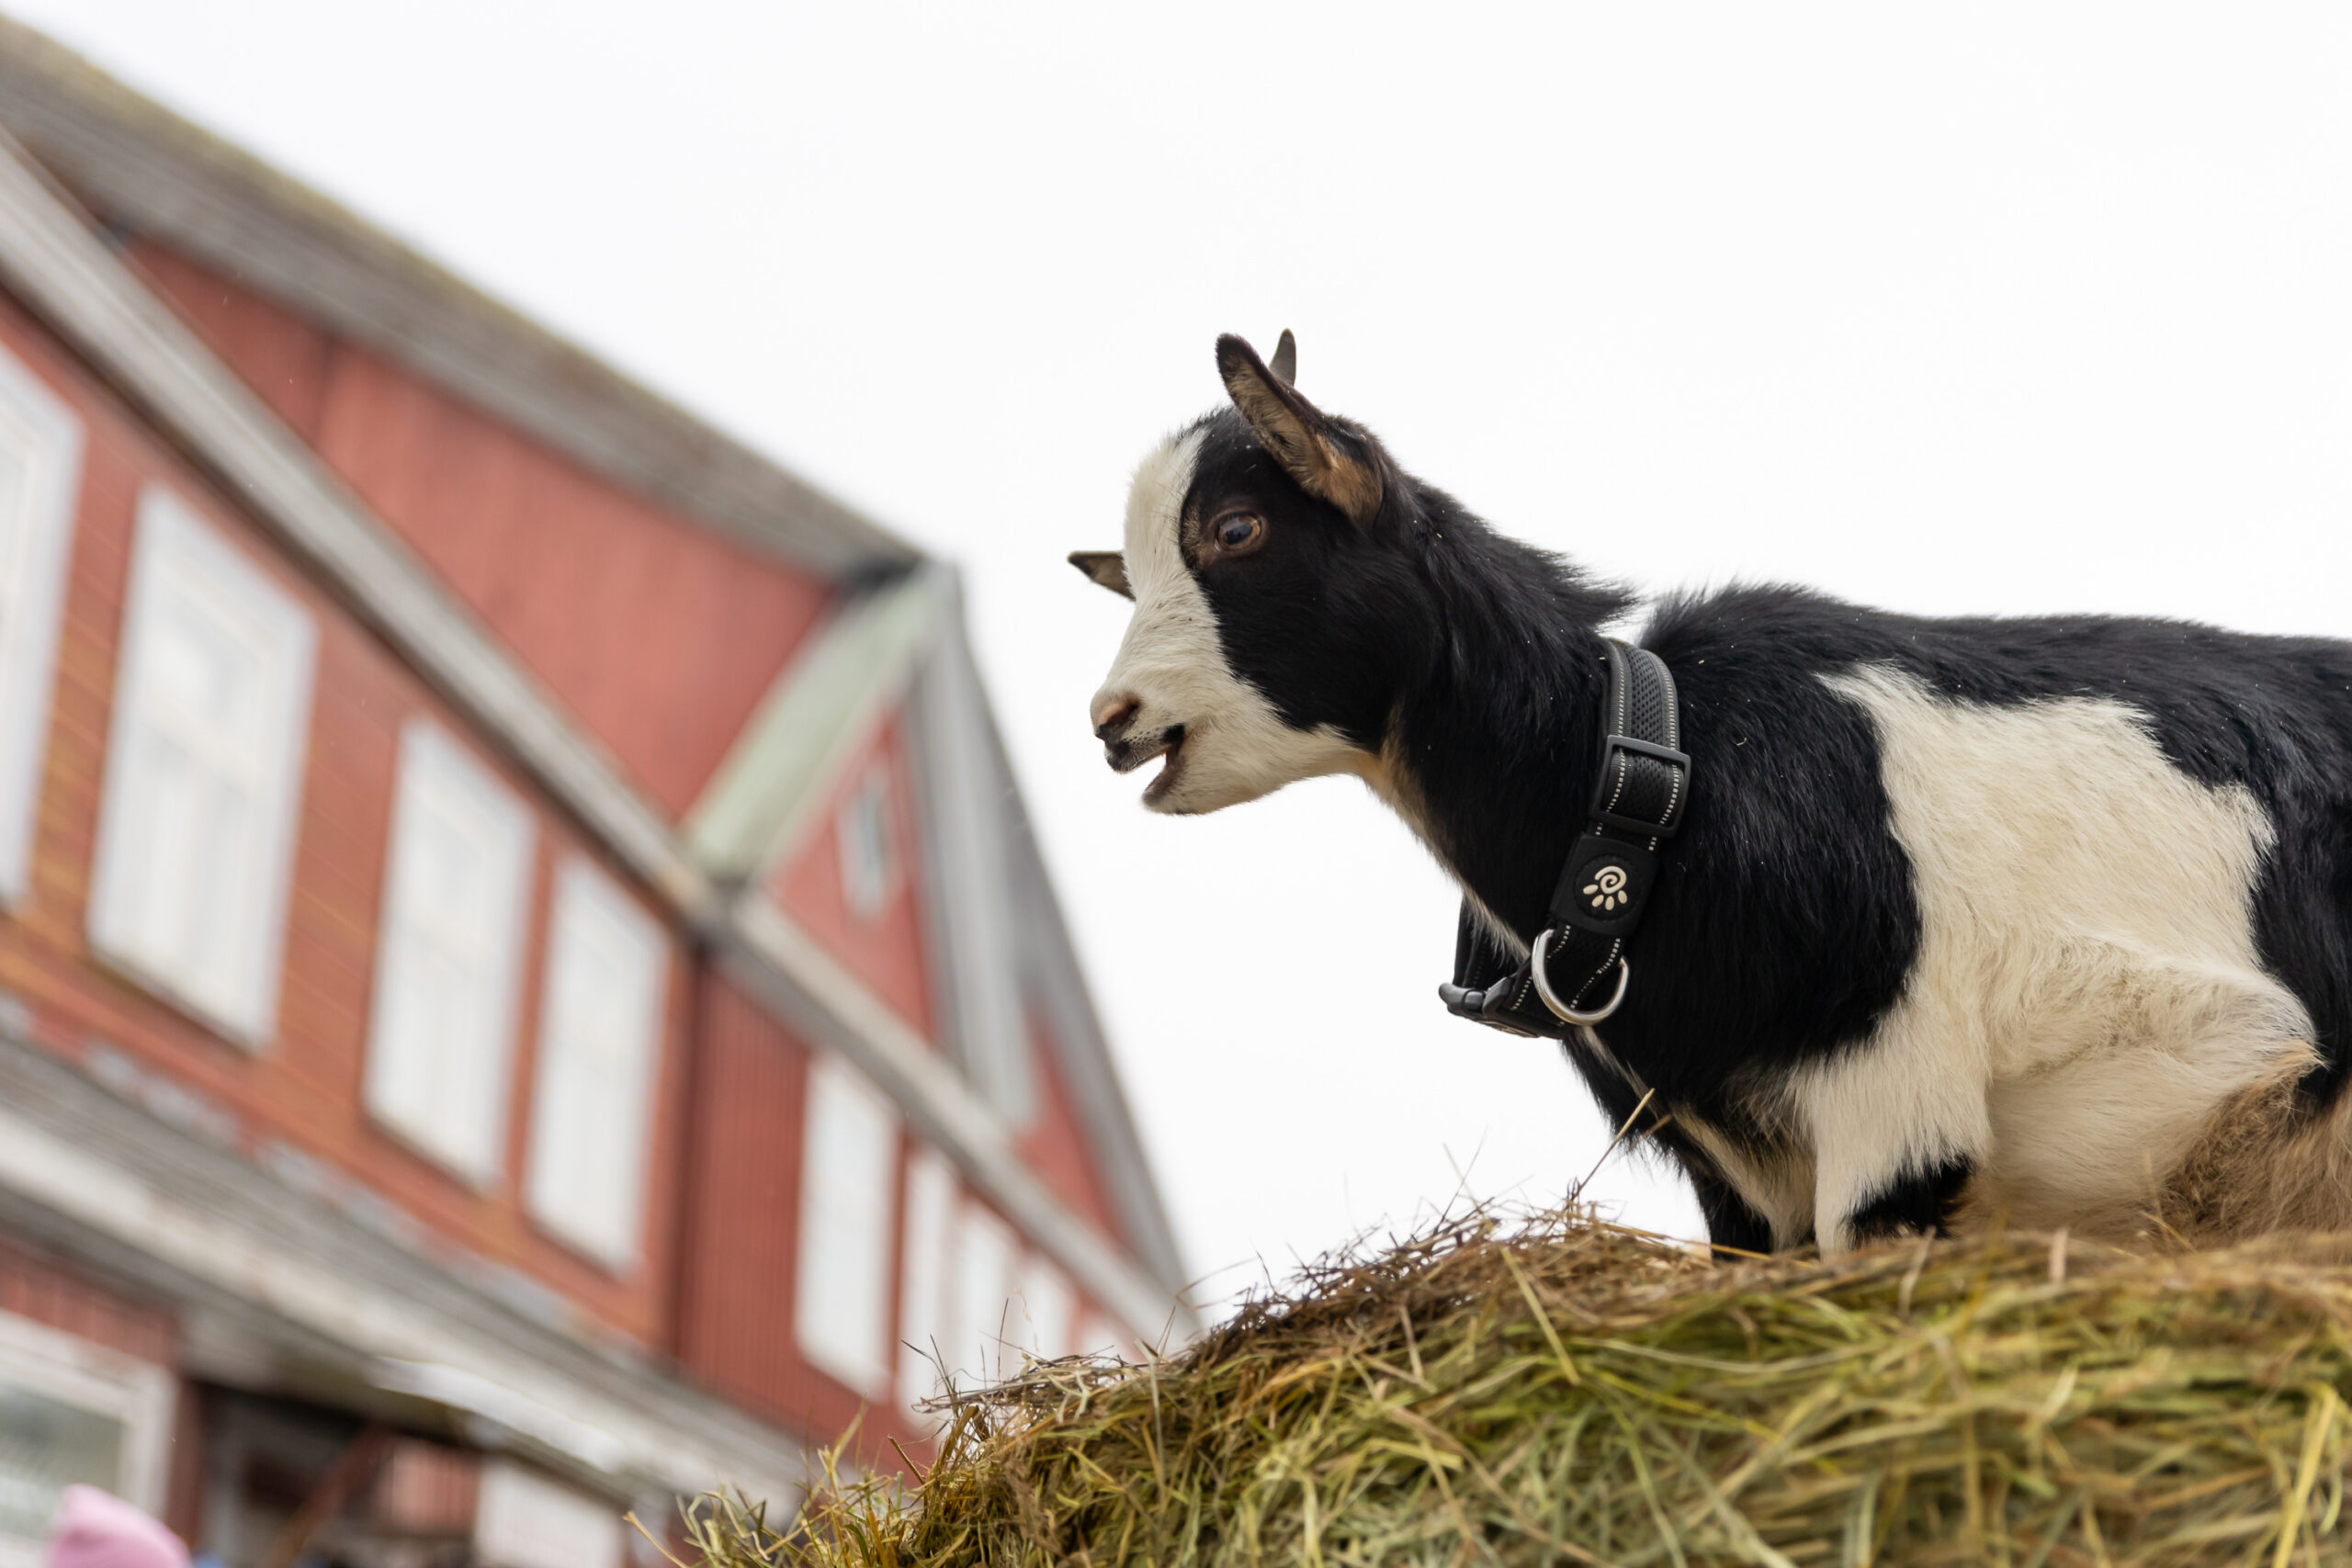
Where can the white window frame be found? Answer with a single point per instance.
(590, 908)
(1101, 1335)
(926, 1327)
(865, 830)
(849, 1191)
(527, 1520)
(447, 1095)
(181, 556)
(72, 1370)
(1049, 1302)
(40, 431)
(968, 876)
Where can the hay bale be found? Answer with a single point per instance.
(1564, 1391)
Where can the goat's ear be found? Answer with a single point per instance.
(1285, 363)
(1108, 568)
(1296, 431)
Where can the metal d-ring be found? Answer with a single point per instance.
(1543, 988)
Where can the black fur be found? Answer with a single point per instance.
(1730, 1223)
(1475, 659)
(1914, 1203)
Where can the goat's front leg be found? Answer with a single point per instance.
(1732, 1221)
(1898, 1125)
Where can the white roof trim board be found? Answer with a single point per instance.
(978, 943)
(815, 718)
(58, 265)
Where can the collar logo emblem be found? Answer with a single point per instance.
(1607, 888)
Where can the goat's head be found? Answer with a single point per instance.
(1278, 603)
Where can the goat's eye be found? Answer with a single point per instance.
(1238, 533)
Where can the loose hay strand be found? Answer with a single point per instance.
(1556, 1389)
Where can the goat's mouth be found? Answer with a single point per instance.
(1167, 743)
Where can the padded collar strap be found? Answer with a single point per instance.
(1637, 805)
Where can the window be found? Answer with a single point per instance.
(527, 1520)
(848, 1200)
(1050, 1311)
(982, 1317)
(203, 773)
(40, 469)
(446, 953)
(600, 1028)
(869, 847)
(925, 1332)
(71, 1412)
(1101, 1337)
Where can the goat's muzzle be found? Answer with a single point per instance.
(1114, 715)
(1127, 751)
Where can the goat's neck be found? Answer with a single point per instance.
(1491, 756)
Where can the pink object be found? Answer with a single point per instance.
(95, 1531)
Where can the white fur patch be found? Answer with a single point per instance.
(2086, 991)
(1172, 665)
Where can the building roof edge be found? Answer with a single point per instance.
(146, 169)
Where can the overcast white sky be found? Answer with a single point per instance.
(2033, 307)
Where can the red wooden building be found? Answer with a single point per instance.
(525, 987)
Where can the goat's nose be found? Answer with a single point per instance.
(1112, 717)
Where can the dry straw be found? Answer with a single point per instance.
(1561, 1391)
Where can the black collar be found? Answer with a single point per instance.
(1576, 974)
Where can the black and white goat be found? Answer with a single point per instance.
(2050, 918)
